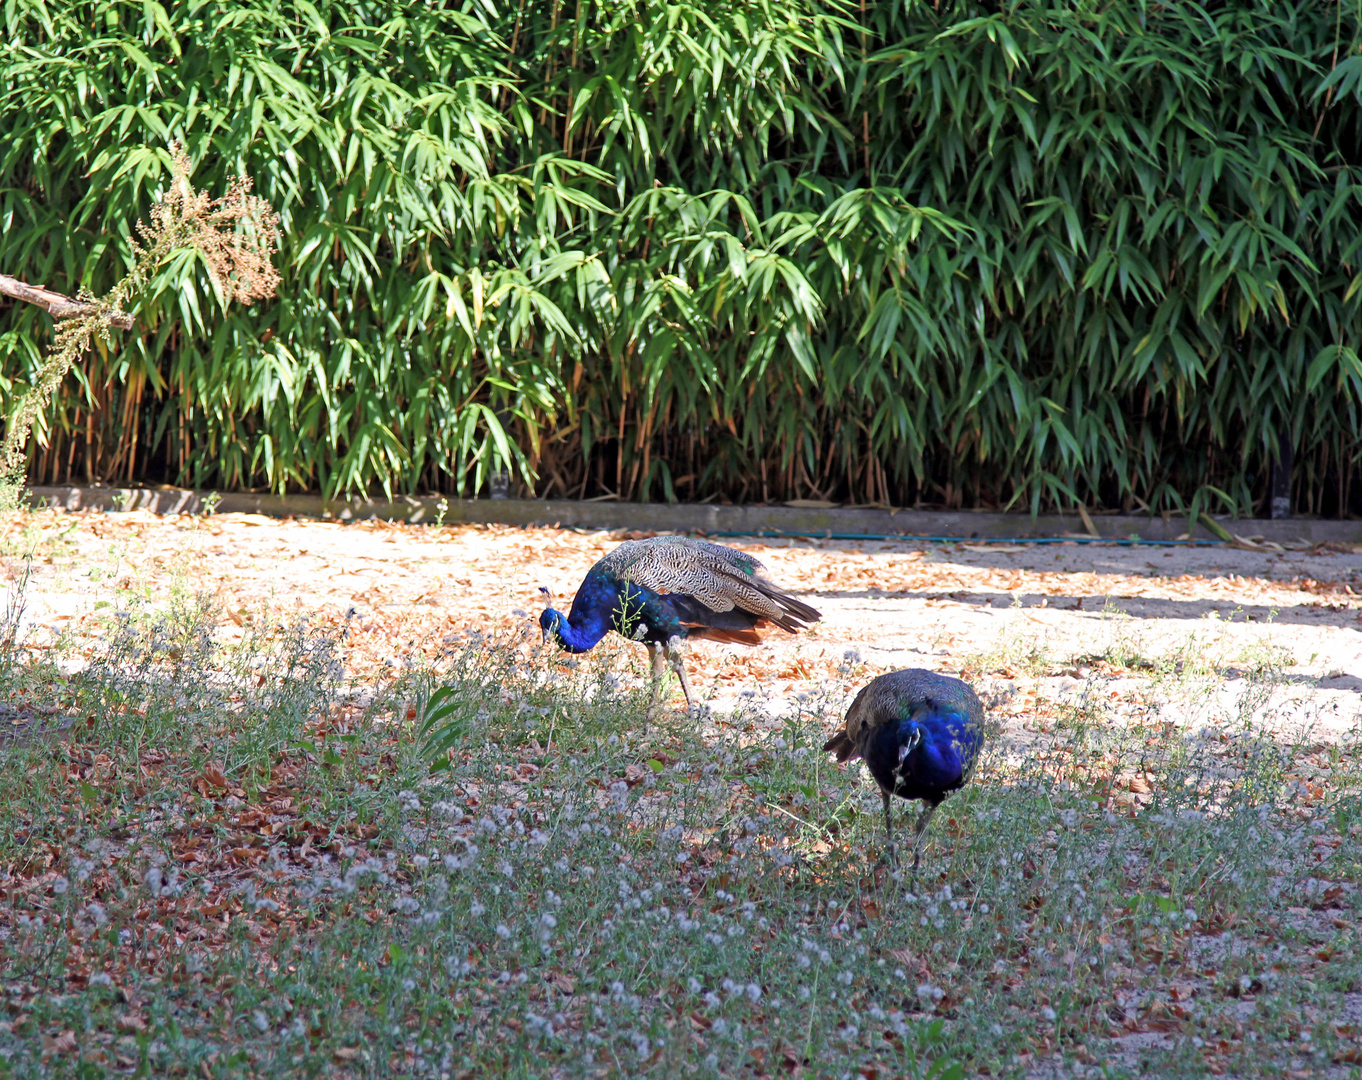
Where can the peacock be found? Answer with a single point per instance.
(920, 734)
(666, 589)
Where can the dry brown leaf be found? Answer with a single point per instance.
(634, 774)
(564, 984)
(214, 777)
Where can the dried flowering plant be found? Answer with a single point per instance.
(236, 235)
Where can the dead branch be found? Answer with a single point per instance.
(57, 305)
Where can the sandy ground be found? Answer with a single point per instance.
(1024, 620)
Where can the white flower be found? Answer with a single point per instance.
(503, 932)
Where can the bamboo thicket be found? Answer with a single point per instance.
(952, 253)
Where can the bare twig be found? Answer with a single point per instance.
(57, 305)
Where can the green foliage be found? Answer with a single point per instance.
(444, 723)
(235, 236)
(1104, 254)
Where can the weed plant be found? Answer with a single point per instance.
(241, 864)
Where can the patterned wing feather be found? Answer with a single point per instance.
(719, 577)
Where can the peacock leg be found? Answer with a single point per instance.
(922, 820)
(889, 830)
(679, 666)
(656, 676)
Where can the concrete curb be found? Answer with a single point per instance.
(693, 517)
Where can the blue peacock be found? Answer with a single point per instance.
(668, 589)
(920, 735)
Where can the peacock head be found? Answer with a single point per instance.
(550, 620)
(912, 735)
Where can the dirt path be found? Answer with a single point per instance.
(1036, 620)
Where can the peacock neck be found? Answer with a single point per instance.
(579, 633)
(935, 757)
(940, 753)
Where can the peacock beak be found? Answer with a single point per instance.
(911, 745)
(548, 600)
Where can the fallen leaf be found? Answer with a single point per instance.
(634, 774)
(213, 776)
(564, 984)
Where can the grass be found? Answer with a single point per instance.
(240, 865)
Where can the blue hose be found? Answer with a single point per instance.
(1128, 542)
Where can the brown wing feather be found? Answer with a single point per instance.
(737, 637)
(846, 743)
(842, 746)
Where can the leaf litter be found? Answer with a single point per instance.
(1157, 865)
